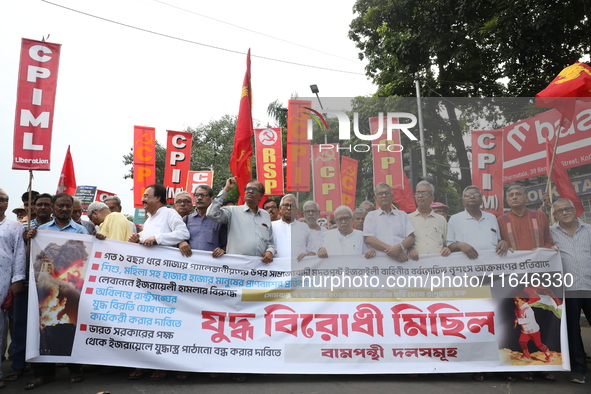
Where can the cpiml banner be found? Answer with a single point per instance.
(35, 100)
(115, 303)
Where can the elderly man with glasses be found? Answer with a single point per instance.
(573, 239)
(472, 229)
(430, 228)
(249, 228)
(183, 203)
(388, 230)
(291, 237)
(344, 239)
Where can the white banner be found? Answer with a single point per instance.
(116, 303)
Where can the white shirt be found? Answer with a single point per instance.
(336, 243)
(291, 239)
(391, 228)
(481, 234)
(167, 226)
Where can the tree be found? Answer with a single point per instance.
(212, 147)
(467, 48)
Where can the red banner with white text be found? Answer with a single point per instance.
(101, 195)
(197, 178)
(326, 177)
(298, 146)
(269, 159)
(178, 163)
(487, 168)
(144, 162)
(348, 181)
(35, 101)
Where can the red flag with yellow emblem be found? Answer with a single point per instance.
(572, 82)
(242, 153)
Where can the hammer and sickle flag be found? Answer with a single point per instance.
(242, 152)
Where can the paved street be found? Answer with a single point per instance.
(117, 383)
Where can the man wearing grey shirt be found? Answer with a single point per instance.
(573, 239)
(249, 228)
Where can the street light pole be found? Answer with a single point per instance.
(421, 131)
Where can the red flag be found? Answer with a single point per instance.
(572, 82)
(562, 181)
(242, 153)
(403, 195)
(67, 182)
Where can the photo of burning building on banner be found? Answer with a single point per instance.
(59, 274)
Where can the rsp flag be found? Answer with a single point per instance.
(269, 155)
(37, 84)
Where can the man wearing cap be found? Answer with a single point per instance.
(112, 225)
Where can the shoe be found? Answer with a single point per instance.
(577, 380)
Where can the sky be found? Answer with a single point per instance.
(112, 77)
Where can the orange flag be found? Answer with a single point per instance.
(242, 153)
(67, 182)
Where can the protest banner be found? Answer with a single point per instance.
(487, 168)
(115, 303)
(326, 177)
(178, 163)
(35, 101)
(269, 159)
(144, 162)
(86, 195)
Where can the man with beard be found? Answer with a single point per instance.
(430, 228)
(205, 233)
(62, 221)
(387, 230)
(77, 217)
(12, 262)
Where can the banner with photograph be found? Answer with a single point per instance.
(116, 303)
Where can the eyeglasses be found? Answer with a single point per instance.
(310, 212)
(270, 207)
(468, 195)
(564, 210)
(89, 214)
(2, 199)
(287, 206)
(252, 189)
(201, 195)
(181, 202)
(384, 194)
(343, 219)
(422, 193)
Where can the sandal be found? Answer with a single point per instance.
(14, 375)
(136, 374)
(76, 377)
(547, 376)
(527, 376)
(158, 375)
(182, 376)
(38, 382)
(478, 376)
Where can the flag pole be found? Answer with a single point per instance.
(549, 183)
